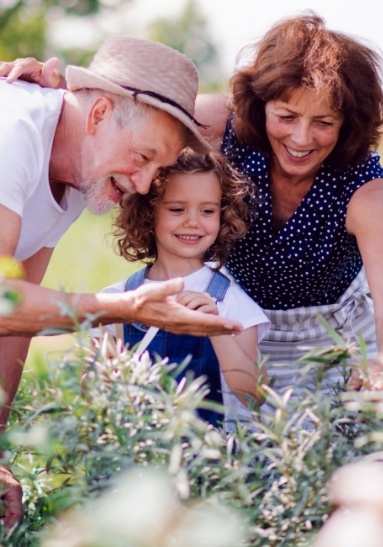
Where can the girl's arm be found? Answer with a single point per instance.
(237, 355)
(238, 358)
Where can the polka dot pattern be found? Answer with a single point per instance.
(312, 259)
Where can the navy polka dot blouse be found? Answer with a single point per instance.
(312, 259)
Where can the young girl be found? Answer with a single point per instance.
(194, 213)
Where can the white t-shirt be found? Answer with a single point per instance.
(28, 120)
(237, 306)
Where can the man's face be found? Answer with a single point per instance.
(117, 161)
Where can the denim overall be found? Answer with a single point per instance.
(178, 346)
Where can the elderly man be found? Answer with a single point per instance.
(130, 113)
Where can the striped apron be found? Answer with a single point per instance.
(293, 332)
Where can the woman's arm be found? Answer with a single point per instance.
(212, 110)
(365, 221)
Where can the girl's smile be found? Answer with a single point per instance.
(188, 219)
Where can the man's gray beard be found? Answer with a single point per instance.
(95, 201)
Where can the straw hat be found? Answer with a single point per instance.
(148, 72)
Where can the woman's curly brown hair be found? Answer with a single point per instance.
(136, 218)
(301, 51)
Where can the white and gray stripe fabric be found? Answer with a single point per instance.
(295, 331)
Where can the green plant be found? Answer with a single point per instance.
(84, 422)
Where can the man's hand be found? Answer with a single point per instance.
(154, 304)
(11, 496)
(29, 69)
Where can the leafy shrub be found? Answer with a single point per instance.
(74, 436)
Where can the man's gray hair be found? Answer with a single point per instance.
(126, 109)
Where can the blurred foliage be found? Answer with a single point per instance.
(189, 33)
(85, 259)
(27, 29)
(22, 35)
(72, 434)
(23, 24)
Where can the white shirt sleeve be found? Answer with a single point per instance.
(238, 306)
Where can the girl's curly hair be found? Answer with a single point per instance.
(136, 217)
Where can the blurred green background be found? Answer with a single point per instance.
(44, 28)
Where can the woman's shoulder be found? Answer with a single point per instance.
(212, 110)
(368, 169)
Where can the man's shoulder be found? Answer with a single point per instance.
(29, 99)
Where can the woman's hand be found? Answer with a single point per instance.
(29, 69)
(11, 496)
(372, 379)
(200, 301)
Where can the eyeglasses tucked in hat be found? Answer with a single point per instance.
(147, 71)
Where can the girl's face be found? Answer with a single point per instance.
(302, 132)
(188, 217)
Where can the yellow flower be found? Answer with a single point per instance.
(11, 268)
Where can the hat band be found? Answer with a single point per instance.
(163, 99)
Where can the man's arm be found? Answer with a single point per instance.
(14, 349)
(13, 352)
(152, 304)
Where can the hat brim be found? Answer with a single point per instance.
(83, 78)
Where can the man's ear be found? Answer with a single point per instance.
(100, 110)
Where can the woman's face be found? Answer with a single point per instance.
(302, 131)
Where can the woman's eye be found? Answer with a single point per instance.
(286, 118)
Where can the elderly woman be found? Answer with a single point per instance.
(302, 122)
(304, 116)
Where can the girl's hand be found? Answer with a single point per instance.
(29, 69)
(200, 301)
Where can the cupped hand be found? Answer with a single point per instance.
(31, 70)
(154, 304)
(371, 379)
(11, 494)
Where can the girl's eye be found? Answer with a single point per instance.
(208, 211)
(176, 210)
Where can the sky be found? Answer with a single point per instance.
(235, 23)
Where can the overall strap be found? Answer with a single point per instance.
(218, 286)
(136, 280)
